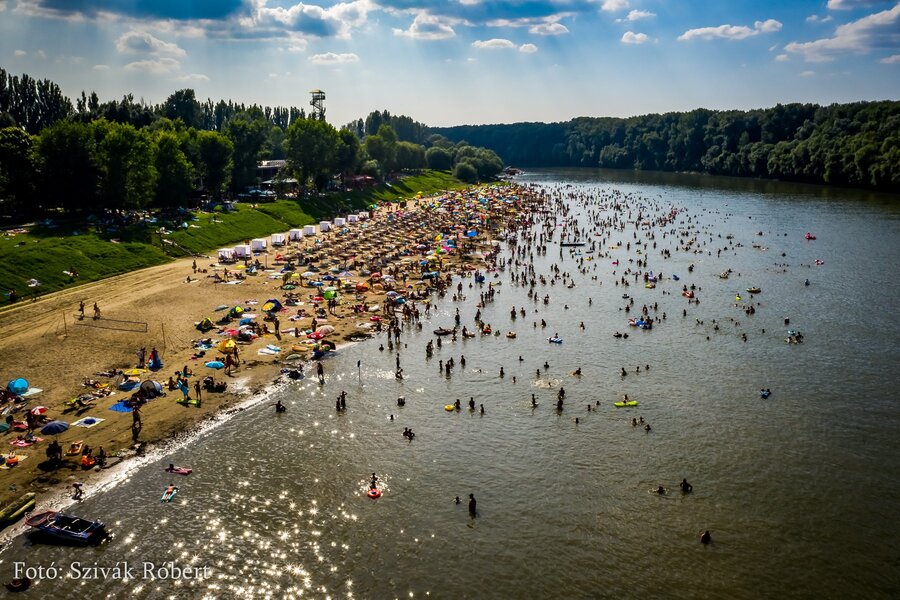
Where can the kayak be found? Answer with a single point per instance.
(624, 404)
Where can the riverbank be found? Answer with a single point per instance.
(48, 343)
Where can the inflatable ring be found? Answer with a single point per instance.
(374, 493)
(449, 407)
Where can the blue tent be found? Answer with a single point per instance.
(17, 386)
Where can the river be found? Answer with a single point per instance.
(801, 491)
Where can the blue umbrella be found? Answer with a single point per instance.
(17, 386)
(215, 364)
(54, 427)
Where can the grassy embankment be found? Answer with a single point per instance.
(44, 253)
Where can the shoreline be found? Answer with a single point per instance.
(35, 326)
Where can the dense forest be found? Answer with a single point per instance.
(90, 155)
(856, 145)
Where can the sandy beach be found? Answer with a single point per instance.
(48, 343)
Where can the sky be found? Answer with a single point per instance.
(453, 62)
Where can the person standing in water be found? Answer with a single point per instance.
(373, 482)
(686, 487)
(472, 505)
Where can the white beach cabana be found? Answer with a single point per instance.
(309, 230)
(340, 222)
(295, 234)
(242, 251)
(226, 254)
(258, 244)
(278, 239)
(324, 226)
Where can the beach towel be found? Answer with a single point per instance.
(21, 458)
(24, 444)
(32, 391)
(120, 407)
(88, 422)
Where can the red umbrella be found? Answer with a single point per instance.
(39, 410)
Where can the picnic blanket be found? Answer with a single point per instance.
(88, 422)
(25, 444)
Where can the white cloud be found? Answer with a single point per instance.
(2, 5)
(637, 15)
(548, 29)
(193, 77)
(142, 42)
(782, 58)
(818, 19)
(156, 66)
(100, 68)
(773, 47)
(427, 27)
(807, 73)
(614, 5)
(890, 60)
(730, 32)
(878, 30)
(19, 53)
(492, 44)
(330, 58)
(41, 54)
(297, 45)
(850, 4)
(630, 37)
(528, 48)
(307, 19)
(767, 26)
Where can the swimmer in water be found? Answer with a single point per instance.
(647, 427)
(686, 487)
(457, 500)
(661, 491)
(705, 538)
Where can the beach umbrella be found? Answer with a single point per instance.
(215, 364)
(17, 386)
(39, 410)
(325, 329)
(54, 427)
(315, 335)
(226, 346)
(134, 372)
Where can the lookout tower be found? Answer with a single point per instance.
(318, 104)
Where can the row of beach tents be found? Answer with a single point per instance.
(242, 251)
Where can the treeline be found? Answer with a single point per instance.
(35, 104)
(856, 144)
(91, 156)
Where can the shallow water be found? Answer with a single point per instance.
(800, 491)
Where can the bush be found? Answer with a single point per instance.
(464, 171)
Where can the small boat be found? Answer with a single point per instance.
(442, 331)
(570, 244)
(753, 290)
(687, 294)
(555, 340)
(68, 528)
(764, 394)
(676, 277)
(17, 508)
(809, 236)
(179, 470)
(511, 334)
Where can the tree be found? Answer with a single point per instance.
(183, 105)
(439, 159)
(348, 153)
(464, 171)
(174, 170)
(126, 164)
(69, 168)
(311, 148)
(215, 161)
(410, 156)
(248, 132)
(18, 172)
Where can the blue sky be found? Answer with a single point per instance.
(464, 61)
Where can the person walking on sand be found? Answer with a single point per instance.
(197, 389)
(81, 311)
(96, 311)
(79, 493)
